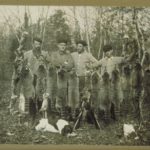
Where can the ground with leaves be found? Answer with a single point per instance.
(14, 133)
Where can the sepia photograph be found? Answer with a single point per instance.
(77, 75)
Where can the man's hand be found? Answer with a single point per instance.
(65, 65)
(61, 71)
(51, 66)
(95, 65)
(14, 97)
(72, 72)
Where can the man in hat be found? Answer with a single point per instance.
(82, 61)
(36, 62)
(63, 62)
(110, 64)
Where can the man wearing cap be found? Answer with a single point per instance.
(82, 61)
(109, 64)
(63, 62)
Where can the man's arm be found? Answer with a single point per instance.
(92, 59)
(97, 64)
(130, 57)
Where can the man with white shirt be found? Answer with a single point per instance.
(110, 64)
(78, 81)
(82, 60)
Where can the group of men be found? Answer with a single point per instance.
(68, 78)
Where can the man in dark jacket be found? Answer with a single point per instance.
(63, 62)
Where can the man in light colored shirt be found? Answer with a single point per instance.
(110, 62)
(79, 77)
(83, 60)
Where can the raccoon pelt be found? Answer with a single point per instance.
(146, 96)
(126, 79)
(137, 75)
(95, 89)
(51, 86)
(126, 88)
(116, 90)
(104, 101)
(137, 90)
(40, 85)
(116, 94)
(27, 91)
(27, 84)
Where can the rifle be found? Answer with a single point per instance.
(79, 117)
(95, 119)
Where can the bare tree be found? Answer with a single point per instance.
(100, 12)
(87, 29)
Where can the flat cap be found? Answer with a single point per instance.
(61, 40)
(37, 39)
(82, 42)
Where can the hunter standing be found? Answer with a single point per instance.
(82, 60)
(36, 61)
(63, 62)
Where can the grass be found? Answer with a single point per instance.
(14, 133)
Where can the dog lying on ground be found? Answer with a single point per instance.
(60, 126)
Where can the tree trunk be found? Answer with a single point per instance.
(44, 26)
(139, 35)
(100, 11)
(87, 29)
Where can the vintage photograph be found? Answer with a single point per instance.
(74, 75)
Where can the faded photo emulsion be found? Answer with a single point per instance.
(74, 75)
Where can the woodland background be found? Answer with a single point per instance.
(97, 25)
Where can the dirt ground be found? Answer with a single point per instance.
(14, 133)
